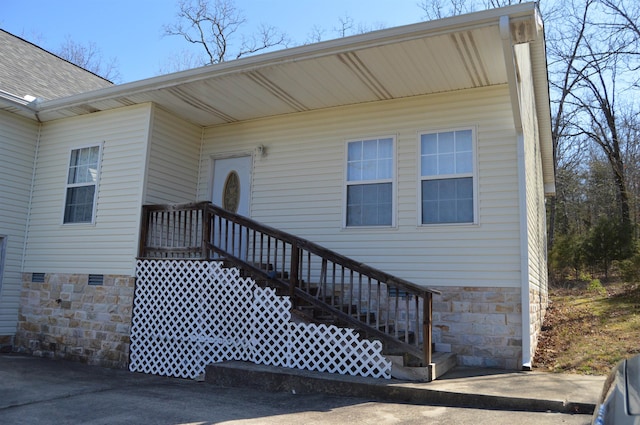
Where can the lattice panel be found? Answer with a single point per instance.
(336, 350)
(271, 336)
(188, 314)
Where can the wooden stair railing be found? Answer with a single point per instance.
(377, 304)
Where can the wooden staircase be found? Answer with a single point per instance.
(324, 286)
(404, 366)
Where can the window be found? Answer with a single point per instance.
(82, 181)
(370, 170)
(447, 174)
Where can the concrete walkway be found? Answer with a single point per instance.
(572, 392)
(44, 388)
(461, 387)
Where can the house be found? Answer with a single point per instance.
(27, 73)
(419, 156)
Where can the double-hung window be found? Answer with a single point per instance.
(82, 182)
(447, 177)
(370, 171)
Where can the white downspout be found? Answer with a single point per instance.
(509, 59)
(27, 226)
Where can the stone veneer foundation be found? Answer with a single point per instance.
(483, 326)
(538, 303)
(66, 317)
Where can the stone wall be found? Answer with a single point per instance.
(483, 326)
(538, 303)
(66, 317)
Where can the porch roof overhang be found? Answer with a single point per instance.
(449, 54)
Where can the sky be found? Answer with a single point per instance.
(131, 31)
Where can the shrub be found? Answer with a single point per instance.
(567, 256)
(630, 268)
(596, 286)
(607, 241)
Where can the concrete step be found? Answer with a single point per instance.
(441, 364)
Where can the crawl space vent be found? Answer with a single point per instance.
(96, 279)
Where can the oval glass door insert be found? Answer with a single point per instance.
(231, 192)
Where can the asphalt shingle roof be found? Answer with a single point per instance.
(26, 69)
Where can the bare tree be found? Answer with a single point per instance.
(316, 35)
(376, 26)
(214, 26)
(346, 26)
(185, 59)
(627, 13)
(562, 50)
(624, 25)
(601, 126)
(605, 85)
(630, 137)
(89, 57)
(438, 9)
(490, 4)
(592, 56)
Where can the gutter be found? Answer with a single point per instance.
(26, 107)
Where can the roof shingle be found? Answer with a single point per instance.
(26, 69)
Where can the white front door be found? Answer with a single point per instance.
(232, 184)
(232, 191)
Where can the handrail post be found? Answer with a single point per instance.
(427, 307)
(293, 272)
(206, 232)
(144, 231)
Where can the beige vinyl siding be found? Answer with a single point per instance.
(18, 139)
(110, 245)
(298, 185)
(172, 173)
(536, 214)
(534, 299)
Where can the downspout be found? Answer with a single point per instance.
(31, 189)
(512, 79)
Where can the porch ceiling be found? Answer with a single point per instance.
(408, 68)
(438, 56)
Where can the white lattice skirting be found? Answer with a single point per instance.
(188, 314)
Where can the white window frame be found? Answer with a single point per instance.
(393, 180)
(473, 174)
(95, 183)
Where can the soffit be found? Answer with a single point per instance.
(411, 65)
